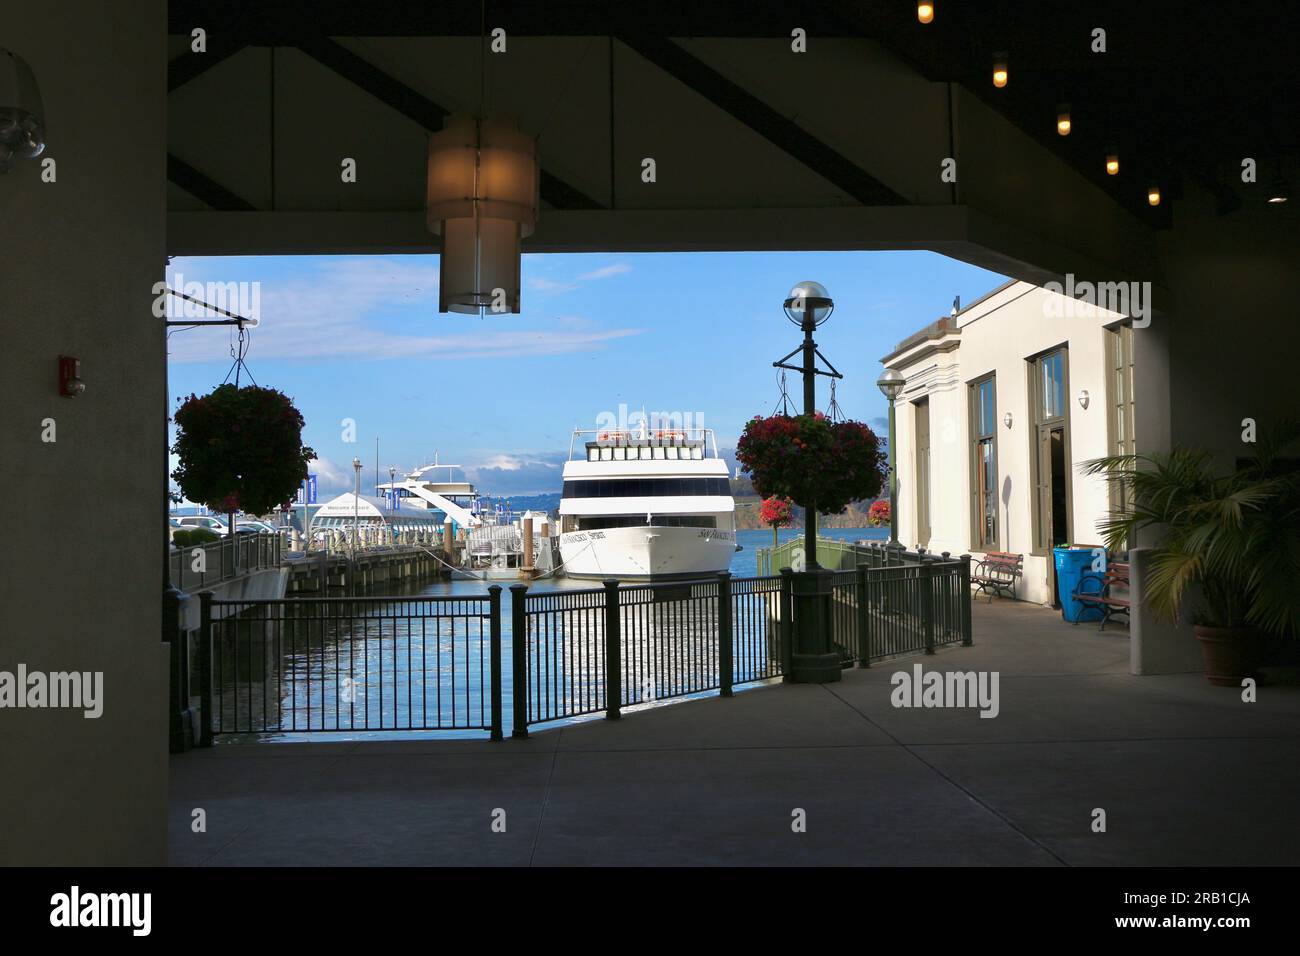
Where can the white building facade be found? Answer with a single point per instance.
(1003, 403)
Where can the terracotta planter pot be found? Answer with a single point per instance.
(1231, 653)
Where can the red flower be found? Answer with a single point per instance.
(810, 458)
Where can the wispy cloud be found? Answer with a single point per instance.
(543, 284)
(551, 285)
(605, 272)
(378, 308)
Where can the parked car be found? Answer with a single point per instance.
(204, 521)
(253, 526)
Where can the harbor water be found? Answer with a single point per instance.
(397, 671)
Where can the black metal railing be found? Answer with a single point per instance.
(758, 647)
(606, 648)
(881, 612)
(435, 663)
(204, 565)
(351, 664)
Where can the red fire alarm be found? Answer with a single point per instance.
(70, 383)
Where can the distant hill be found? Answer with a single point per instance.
(549, 503)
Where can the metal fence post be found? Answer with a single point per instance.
(864, 617)
(965, 599)
(518, 661)
(925, 580)
(613, 653)
(494, 603)
(205, 667)
(180, 729)
(725, 636)
(786, 626)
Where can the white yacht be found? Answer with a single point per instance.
(644, 503)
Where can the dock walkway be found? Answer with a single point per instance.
(1184, 771)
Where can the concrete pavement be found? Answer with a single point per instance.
(1186, 774)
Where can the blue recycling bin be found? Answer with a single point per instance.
(1072, 565)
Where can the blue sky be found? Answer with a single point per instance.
(361, 338)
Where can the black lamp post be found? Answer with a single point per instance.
(891, 383)
(813, 658)
(808, 306)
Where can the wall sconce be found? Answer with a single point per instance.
(1006, 419)
(1083, 398)
(22, 116)
(70, 383)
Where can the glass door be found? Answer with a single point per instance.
(1052, 521)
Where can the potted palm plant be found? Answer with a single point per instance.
(1231, 539)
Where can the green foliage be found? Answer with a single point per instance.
(240, 449)
(1237, 535)
(810, 458)
(191, 537)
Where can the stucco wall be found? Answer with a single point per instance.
(1222, 353)
(83, 556)
(998, 335)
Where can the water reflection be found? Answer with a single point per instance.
(325, 670)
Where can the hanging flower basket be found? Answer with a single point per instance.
(776, 512)
(240, 449)
(812, 459)
(878, 513)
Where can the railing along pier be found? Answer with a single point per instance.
(356, 664)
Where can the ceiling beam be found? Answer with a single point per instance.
(190, 64)
(201, 186)
(417, 107)
(280, 22)
(764, 120)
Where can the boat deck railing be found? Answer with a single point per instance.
(666, 436)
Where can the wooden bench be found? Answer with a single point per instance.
(997, 571)
(1097, 590)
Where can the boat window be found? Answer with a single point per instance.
(620, 454)
(672, 452)
(605, 522)
(697, 453)
(593, 454)
(606, 454)
(645, 487)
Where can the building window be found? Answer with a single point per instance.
(1121, 389)
(1119, 352)
(921, 429)
(984, 465)
(1051, 385)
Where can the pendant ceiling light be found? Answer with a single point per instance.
(482, 199)
(22, 118)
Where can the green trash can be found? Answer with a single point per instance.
(1073, 567)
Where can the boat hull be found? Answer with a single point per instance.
(644, 552)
